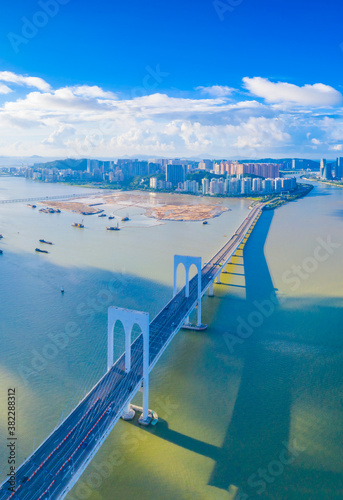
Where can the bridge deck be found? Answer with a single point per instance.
(60, 460)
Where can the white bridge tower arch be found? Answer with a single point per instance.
(188, 261)
(128, 319)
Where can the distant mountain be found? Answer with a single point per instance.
(64, 164)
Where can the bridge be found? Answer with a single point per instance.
(44, 198)
(56, 465)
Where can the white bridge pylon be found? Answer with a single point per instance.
(128, 318)
(188, 261)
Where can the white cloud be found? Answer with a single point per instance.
(282, 92)
(216, 90)
(84, 120)
(59, 136)
(93, 92)
(4, 89)
(28, 81)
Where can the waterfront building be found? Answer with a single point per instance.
(205, 186)
(339, 169)
(256, 185)
(153, 182)
(246, 185)
(267, 185)
(278, 184)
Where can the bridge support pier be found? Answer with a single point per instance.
(210, 290)
(218, 278)
(188, 261)
(128, 319)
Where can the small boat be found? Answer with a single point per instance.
(1, 252)
(125, 219)
(32, 206)
(78, 224)
(41, 251)
(205, 222)
(1, 236)
(46, 242)
(111, 217)
(102, 215)
(62, 289)
(112, 228)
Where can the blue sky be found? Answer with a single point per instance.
(223, 78)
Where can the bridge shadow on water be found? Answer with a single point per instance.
(260, 420)
(260, 423)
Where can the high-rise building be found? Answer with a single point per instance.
(278, 184)
(322, 167)
(205, 165)
(153, 182)
(205, 186)
(176, 174)
(325, 170)
(339, 168)
(246, 185)
(267, 185)
(256, 185)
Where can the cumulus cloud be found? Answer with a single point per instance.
(58, 137)
(282, 92)
(4, 89)
(84, 120)
(93, 92)
(216, 90)
(28, 81)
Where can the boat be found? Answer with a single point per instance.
(111, 217)
(205, 222)
(102, 215)
(32, 206)
(62, 289)
(1, 252)
(1, 236)
(112, 228)
(125, 219)
(46, 242)
(78, 224)
(41, 251)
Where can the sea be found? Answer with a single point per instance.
(251, 408)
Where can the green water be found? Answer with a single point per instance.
(228, 406)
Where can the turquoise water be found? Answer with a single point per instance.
(228, 406)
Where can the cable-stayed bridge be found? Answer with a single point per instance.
(56, 465)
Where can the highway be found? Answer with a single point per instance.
(58, 462)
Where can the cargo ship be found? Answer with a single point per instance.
(46, 242)
(41, 251)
